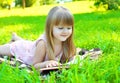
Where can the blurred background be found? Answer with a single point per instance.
(107, 4)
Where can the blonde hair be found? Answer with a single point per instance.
(59, 16)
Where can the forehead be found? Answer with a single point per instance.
(63, 26)
(63, 18)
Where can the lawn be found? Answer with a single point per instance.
(93, 29)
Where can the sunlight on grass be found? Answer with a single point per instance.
(74, 7)
(115, 36)
(14, 28)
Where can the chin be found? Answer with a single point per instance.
(63, 40)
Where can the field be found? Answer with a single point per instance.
(93, 29)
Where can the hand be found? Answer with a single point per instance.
(51, 63)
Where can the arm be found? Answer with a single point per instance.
(40, 55)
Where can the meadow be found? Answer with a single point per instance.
(93, 29)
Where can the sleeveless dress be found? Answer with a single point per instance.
(24, 50)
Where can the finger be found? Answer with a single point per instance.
(50, 65)
(46, 66)
(54, 64)
(57, 64)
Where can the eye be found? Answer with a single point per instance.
(69, 28)
(60, 28)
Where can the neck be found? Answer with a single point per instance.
(57, 42)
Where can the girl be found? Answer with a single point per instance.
(54, 47)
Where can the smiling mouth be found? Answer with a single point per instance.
(64, 35)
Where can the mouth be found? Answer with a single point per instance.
(64, 35)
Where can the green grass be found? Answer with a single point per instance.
(92, 30)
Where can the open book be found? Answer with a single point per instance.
(93, 55)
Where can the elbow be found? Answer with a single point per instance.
(35, 65)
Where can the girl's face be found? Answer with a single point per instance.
(61, 33)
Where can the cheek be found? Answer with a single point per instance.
(70, 32)
(55, 31)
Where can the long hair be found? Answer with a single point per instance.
(59, 16)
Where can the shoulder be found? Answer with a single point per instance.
(41, 43)
(40, 49)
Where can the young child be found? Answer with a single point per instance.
(53, 48)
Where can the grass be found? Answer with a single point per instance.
(92, 30)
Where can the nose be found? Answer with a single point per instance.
(65, 30)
